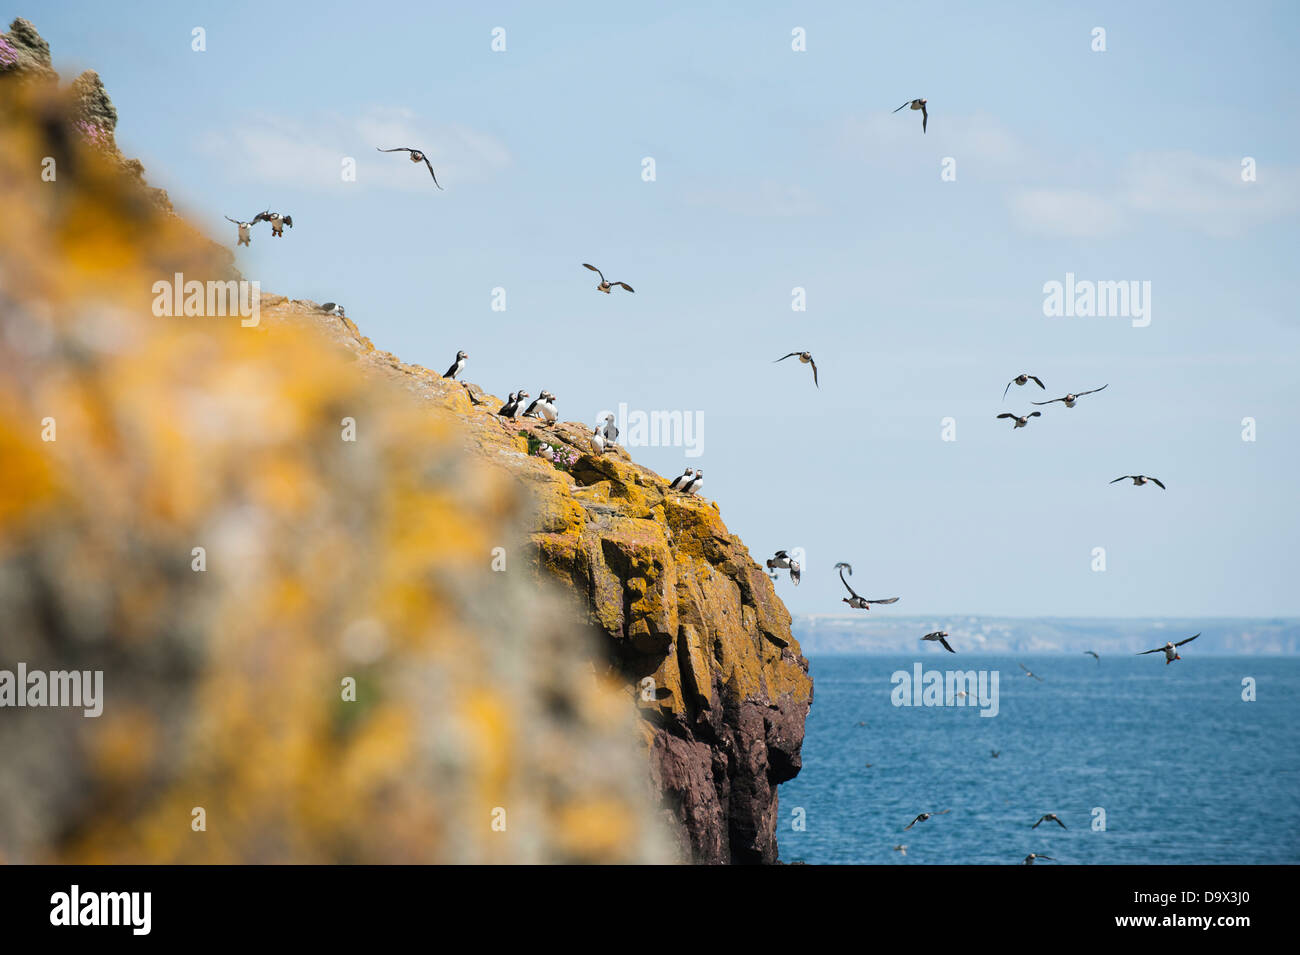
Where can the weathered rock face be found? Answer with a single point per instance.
(693, 626)
(692, 631)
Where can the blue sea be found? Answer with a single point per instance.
(1185, 771)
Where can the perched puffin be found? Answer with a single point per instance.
(1049, 817)
(1169, 650)
(416, 156)
(939, 635)
(693, 485)
(680, 482)
(853, 600)
(458, 365)
(548, 408)
(511, 408)
(924, 816)
(806, 358)
(918, 104)
(1020, 420)
(1020, 380)
(1139, 480)
(242, 229)
(1029, 859)
(610, 430)
(1071, 398)
(605, 285)
(278, 222)
(531, 411)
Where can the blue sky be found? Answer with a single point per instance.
(779, 169)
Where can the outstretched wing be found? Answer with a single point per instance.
(626, 286)
(1007, 388)
(1052, 402)
(1006, 414)
(1122, 477)
(784, 357)
(1094, 391)
(399, 149)
(841, 567)
(945, 645)
(430, 165)
(887, 600)
(918, 818)
(264, 216)
(814, 368)
(1037, 382)
(1145, 652)
(1188, 640)
(904, 106)
(596, 270)
(925, 118)
(288, 220)
(228, 219)
(1158, 483)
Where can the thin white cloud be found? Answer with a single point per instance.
(1070, 213)
(767, 198)
(276, 150)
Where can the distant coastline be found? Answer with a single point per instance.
(974, 633)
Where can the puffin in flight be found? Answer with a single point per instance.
(853, 600)
(458, 365)
(1020, 420)
(924, 816)
(939, 635)
(242, 231)
(918, 104)
(1020, 380)
(805, 357)
(1029, 672)
(416, 156)
(1070, 399)
(278, 222)
(1169, 650)
(783, 561)
(1093, 654)
(1139, 480)
(1029, 859)
(1048, 817)
(605, 285)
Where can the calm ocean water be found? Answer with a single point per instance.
(1185, 771)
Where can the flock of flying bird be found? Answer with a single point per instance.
(689, 482)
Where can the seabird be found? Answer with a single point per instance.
(902, 849)
(680, 482)
(416, 156)
(278, 222)
(242, 231)
(610, 430)
(1049, 817)
(597, 440)
(1139, 480)
(511, 408)
(939, 635)
(1020, 380)
(1020, 420)
(693, 485)
(783, 561)
(1093, 654)
(924, 816)
(918, 104)
(1071, 398)
(1171, 654)
(1029, 672)
(995, 753)
(533, 410)
(805, 357)
(854, 601)
(1029, 859)
(548, 408)
(605, 285)
(458, 365)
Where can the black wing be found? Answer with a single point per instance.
(852, 592)
(1037, 382)
(887, 600)
(624, 284)
(1123, 477)
(1093, 392)
(784, 357)
(945, 645)
(1145, 652)
(264, 216)
(1007, 388)
(288, 220)
(399, 149)
(1007, 414)
(1188, 640)
(596, 270)
(904, 106)
(925, 118)
(430, 165)
(814, 368)
(1052, 402)
(1158, 483)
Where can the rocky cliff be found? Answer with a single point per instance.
(180, 431)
